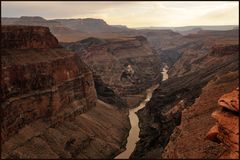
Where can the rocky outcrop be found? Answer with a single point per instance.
(89, 25)
(55, 26)
(22, 37)
(70, 30)
(164, 112)
(188, 140)
(127, 66)
(98, 133)
(226, 130)
(224, 50)
(49, 103)
(205, 49)
(106, 94)
(162, 39)
(41, 81)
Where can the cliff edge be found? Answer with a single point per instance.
(49, 102)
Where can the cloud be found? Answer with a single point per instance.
(132, 14)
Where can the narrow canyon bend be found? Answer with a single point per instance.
(133, 136)
(84, 89)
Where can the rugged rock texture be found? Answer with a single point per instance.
(163, 113)
(70, 30)
(90, 25)
(162, 39)
(97, 133)
(40, 82)
(189, 139)
(49, 102)
(106, 94)
(23, 37)
(226, 130)
(205, 49)
(128, 66)
(56, 27)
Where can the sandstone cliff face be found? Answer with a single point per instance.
(226, 130)
(106, 94)
(55, 26)
(164, 111)
(22, 37)
(40, 82)
(128, 66)
(70, 30)
(49, 102)
(166, 43)
(205, 49)
(189, 138)
(98, 133)
(162, 39)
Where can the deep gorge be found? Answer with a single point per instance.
(69, 95)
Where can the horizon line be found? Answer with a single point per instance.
(130, 27)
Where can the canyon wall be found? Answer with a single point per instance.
(106, 94)
(70, 30)
(205, 49)
(49, 102)
(226, 130)
(39, 79)
(196, 122)
(128, 66)
(21, 37)
(180, 93)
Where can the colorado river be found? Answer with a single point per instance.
(133, 136)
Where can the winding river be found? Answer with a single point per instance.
(133, 136)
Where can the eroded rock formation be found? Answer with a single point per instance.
(106, 94)
(49, 103)
(22, 37)
(226, 130)
(174, 123)
(205, 49)
(189, 138)
(41, 80)
(128, 66)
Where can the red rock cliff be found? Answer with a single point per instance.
(226, 130)
(41, 81)
(23, 37)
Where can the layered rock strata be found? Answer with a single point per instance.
(163, 112)
(226, 130)
(204, 50)
(127, 66)
(189, 138)
(22, 37)
(107, 95)
(49, 102)
(98, 133)
(40, 80)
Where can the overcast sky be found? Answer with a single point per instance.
(132, 14)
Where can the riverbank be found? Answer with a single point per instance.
(133, 137)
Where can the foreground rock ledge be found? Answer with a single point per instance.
(227, 127)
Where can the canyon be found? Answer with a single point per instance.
(133, 136)
(49, 101)
(70, 89)
(120, 63)
(164, 121)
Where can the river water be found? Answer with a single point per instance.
(133, 136)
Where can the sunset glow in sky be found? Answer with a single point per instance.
(132, 14)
